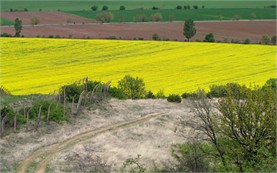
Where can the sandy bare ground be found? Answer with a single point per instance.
(45, 17)
(241, 30)
(150, 128)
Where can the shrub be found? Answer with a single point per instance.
(195, 7)
(160, 94)
(174, 98)
(271, 83)
(104, 17)
(71, 90)
(221, 90)
(5, 35)
(156, 37)
(140, 18)
(25, 9)
(10, 113)
(247, 41)
(189, 95)
(94, 8)
(265, 39)
(217, 91)
(134, 88)
(150, 95)
(192, 156)
(236, 17)
(56, 110)
(117, 93)
(273, 39)
(209, 38)
(122, 7)
(179, 7)
(34, 21)
(185, 7)
(156, 17)
(155, 8)
(104, 8)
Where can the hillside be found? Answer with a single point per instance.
(42, 65)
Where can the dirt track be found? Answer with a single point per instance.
(56, 148)
(253, 30)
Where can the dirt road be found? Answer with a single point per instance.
(51, 150)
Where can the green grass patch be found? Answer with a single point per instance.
(67, 5)
(182, 15)
(4, 21)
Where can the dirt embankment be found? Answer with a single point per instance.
(241, 30)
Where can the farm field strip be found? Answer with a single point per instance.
(47, 5)
(43, 65)
(182, 15)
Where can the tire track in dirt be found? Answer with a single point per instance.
(53, 149)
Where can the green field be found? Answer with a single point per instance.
(4, 22)
(67, 5)
(181, 15)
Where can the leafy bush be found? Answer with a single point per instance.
(5, 35)
(94, 8)
(140, 18)
(195, 7)
(247, 41)
(189, 95)
(160, 95)
(192, 156)
(56, 110)
(265, 39)
(134, 88)
(34, 21)
(156, 37)
(271, 83)
(117, 93)
(71, 90)
(217, 91)
(155, 8)
(122, 7)
(104, 8)
(104, 17)
(174, 98)
(273, 39)
(209, 38)
(10, 113)
(179, 7)
(156, 17)
(150, 95)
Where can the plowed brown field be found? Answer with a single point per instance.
(241, 30)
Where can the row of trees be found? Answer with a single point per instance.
(187, 7)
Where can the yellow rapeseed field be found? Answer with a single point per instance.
(43, 65)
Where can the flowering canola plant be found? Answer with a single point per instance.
(34, 65)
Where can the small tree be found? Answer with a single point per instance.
(104, 17)
(122, 7)
(25, 9)
(209, 38)
(94, 8)
(104, 8)
(17, 27)
(265, 39)
(34, 21)
(134, 88)
(156, 17)
(179, 7)
(189, 29)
